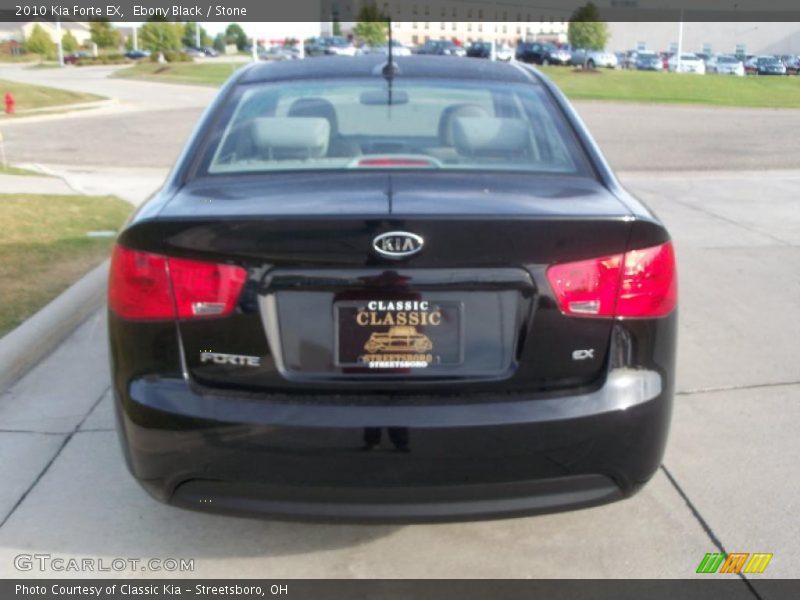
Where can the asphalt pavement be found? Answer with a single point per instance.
(729, 477)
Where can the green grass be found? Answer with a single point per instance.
(44, 247)
(9, 170)
(672, 88)
(19, 58)
(43, 65)
(29, 97)
(213, 74)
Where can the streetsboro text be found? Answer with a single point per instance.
(167, 589)
(180, 10)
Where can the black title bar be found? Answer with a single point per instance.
(398, 10)
(710, 588)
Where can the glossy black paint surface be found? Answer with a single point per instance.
(512, 426)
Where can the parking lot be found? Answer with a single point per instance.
(722, 181)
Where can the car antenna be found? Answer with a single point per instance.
(389, 69)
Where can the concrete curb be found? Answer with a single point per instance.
(24, 346)
(61, 111)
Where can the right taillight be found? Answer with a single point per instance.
(648, 285)
(146, 286)
(638, 284)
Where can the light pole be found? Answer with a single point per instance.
(197, 34)
(680, 44)
(58, 43)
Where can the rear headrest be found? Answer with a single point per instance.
(449, 115)
(489, 136)
(315, 107)
(291, 137)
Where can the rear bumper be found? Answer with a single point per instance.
(394, 462)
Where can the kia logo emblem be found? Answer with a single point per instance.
(397, 244)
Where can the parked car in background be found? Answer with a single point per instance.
(278, 53)
(334, 45)
(71, 59)
(688, 63)
(768, 65)
(441, 48)
(484, 50)
(725, 64)
(594, 58)
(750, 65)
(792, 63)
(628, 60)
(542, 54)
(194, 52)
(398, 49)
(479, 50)
(137, 54)
(649, 61)
(209, 51)
(503, 52)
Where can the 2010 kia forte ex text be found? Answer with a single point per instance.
(408, 290)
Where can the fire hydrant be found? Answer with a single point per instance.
(9, 103)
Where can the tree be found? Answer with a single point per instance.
(104, 34)
(158, 36)
(586, 30)
(372, 25)
(234, 34)
(337, 27)
(69, 42)
(39, 42)
(189, 38)
(219, 43)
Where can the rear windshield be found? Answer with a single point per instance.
(429, 124)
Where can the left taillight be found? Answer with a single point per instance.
(146, 286)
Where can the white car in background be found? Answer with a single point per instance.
(503, 52)
(725, 64)
(689, 63)
(594, 59)
(398, 49)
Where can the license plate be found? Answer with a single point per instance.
(397, 333)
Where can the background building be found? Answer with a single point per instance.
(416, 22)
(718, 37)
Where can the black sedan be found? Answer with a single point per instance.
(392, 292)
(137, 54)
(769, 65)
(480, 50)
(542, 54)
(441, 48)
